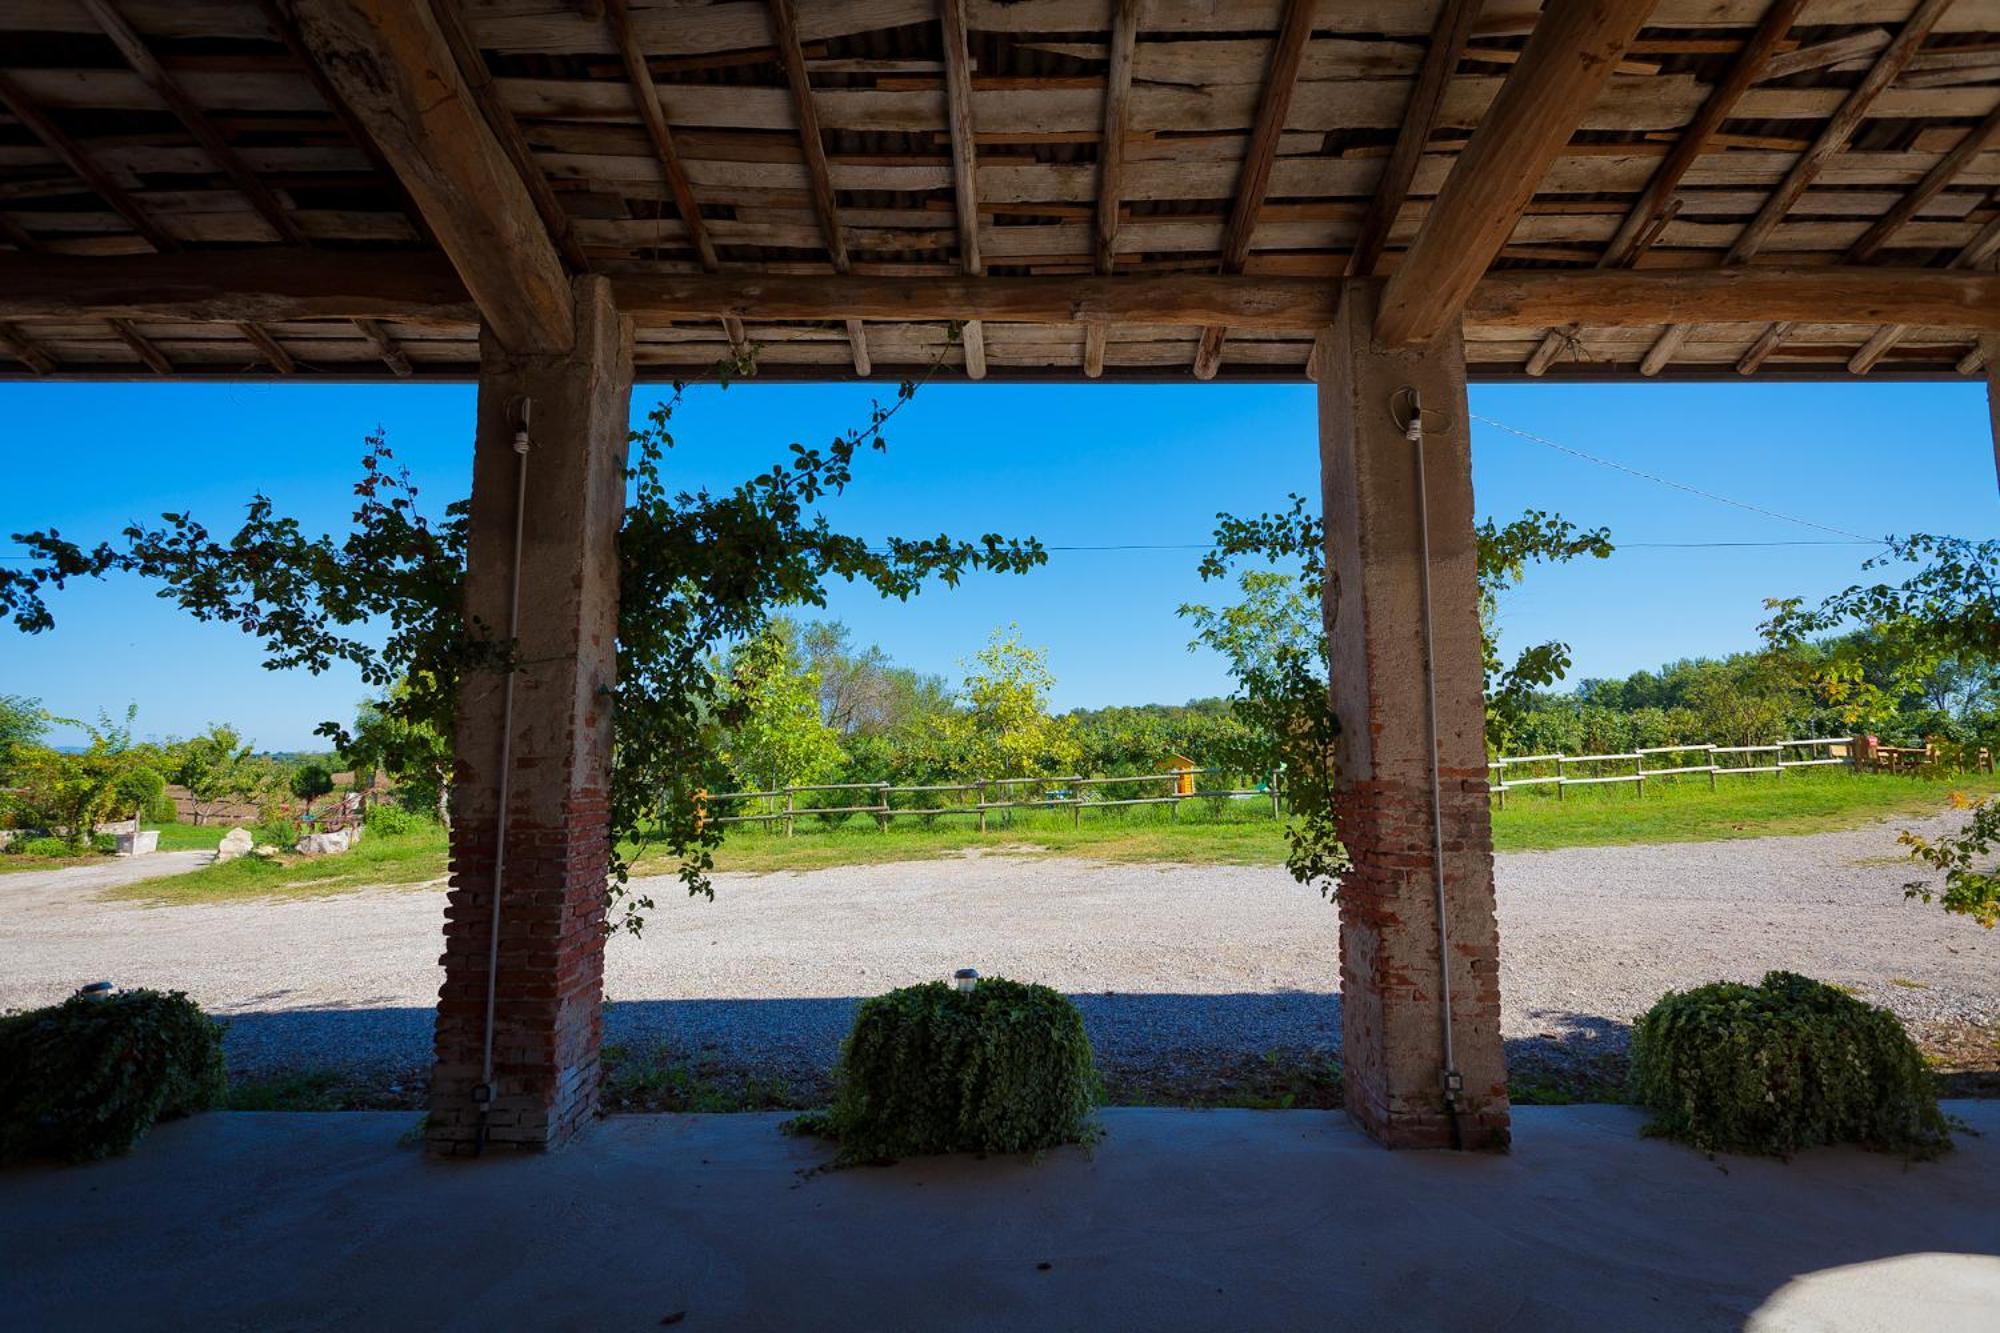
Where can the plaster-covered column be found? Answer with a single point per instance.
(549, 986)
(1989, 347)
(1392, 1012)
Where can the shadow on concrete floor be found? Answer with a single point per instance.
(1175, 1220)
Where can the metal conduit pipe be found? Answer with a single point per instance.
(1413, 431)
(483, 1094)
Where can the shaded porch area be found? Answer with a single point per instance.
(1176, 1219)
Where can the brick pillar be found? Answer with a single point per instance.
(1392, 1014)
(550, 982)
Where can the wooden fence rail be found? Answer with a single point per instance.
(1071, 792)
(1822, 749)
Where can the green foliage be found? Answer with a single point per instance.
(770, 705)
(310, 782)
(216, 767)
(280, 833)
(23, 723)
(1005, 1067)
(697, 570)
(72, 793)
(391, 734)
(393, 821)
(42, 847)
(1504, 554)
(1785, 1065)
(1971, 879)
(87, 1078)
(1005, 730)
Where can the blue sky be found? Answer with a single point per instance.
(1085, 465)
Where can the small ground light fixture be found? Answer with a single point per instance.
(966, 978)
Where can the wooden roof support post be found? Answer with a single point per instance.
(785, 30)
(1273, 105)
(1111, 162)
(1989, 348)
(1638, 231)
(1832, 138)
(395, 68)
(965, 167)
(1568, 60)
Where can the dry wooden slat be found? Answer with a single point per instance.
(965, 166)
(1850, 46)
(1287, 54)
(646, 99)
(1976, 252)
(1832, 139)
(26, 350)
(399, 73)
(1567, 61)
(1644, 221)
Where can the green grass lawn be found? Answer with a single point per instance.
(173, 838)
(1242, 834)
(411, 858)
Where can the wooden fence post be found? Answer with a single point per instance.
(882, 805)
(788, 811)
(1076, 801)
(982, 805)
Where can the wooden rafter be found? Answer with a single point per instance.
(17, 344)
(1644, 222)
(785, 31)
(653, 115)
(1111, 162)
(1569, 58)
(964, 165)
(397, 70)
(1449, 35)
(1872, 242)
(1832, 138)
(1273, 104)
(1981, 248)
(289, 286)
(251, 186)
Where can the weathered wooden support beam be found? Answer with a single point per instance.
(1569, 58)
(268, 286)
(1111, 161)
(396, 70)
(652, 114)
(964, 166)
(1833, 137)
(1975, 254)
(142, 347)
(1273, 105)
(1647, 216)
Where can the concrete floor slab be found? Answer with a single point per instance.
(1176, 1220)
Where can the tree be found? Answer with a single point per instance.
(1007, 729)
(70, 794)
(1948, 610)
(310, 782)
(390, 734)
(1275, 641)
(22, 725)
(216, 767)
(697, 569)
(770, 703)
(863, 693)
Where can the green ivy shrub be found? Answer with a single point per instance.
(1789, 1064)
(280, 833)
(43, 847)
(1004, 1067)
(87, 1078)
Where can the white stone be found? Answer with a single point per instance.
(237, 842)
(324, 844)
(142, 843)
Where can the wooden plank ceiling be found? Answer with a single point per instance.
(975, 139)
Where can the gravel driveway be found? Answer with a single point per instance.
(1175, 967)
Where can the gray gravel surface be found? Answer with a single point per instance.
(1177, 968)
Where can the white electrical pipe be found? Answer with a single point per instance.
(485, 1093)
(1413, 431)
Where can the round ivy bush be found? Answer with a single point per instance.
(1004, 1067)
(1788, 1064)
(88, 1077)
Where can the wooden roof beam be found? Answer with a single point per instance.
(1273, 105)
(1643, 223)
(397, 70)
(1568, 60)
(964, 167)
(791, 54)
(1111, 162)
(1833, 137)
(1975, 254)
(286, 285)
(17, 344)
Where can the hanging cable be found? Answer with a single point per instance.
(1412, 425)
(482, 1096)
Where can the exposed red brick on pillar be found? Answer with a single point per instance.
(1392, 1013)
(550, 982)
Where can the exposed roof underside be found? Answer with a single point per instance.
(1867, 136)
